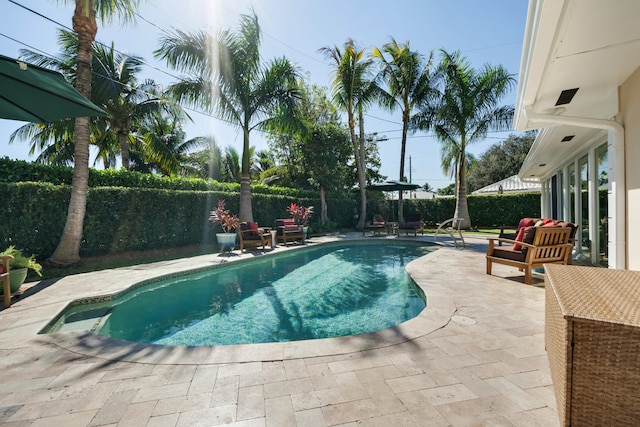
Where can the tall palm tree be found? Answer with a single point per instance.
(231, 81)
(468, 108)
(115, 88)
(353, 90)
(410, 83)
(85, 25)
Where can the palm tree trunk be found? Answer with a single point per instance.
(124, 150)
(246, 211)
(462, 207)
(403, 150)
(362, 174)
(356, 154)
(323, 206)
(68, 250)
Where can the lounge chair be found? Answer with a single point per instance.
(288, 231)
(376, 225)
(413, 223)
(252, 235)
(539, 246)
(5, 277)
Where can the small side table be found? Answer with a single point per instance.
(273, 238)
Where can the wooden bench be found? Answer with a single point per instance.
(550, 245)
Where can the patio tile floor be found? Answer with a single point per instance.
(475, 356)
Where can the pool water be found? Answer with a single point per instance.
(318, 292)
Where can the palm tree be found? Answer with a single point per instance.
(207, 163)
(353, 90)
(468, 108)
(231, 81)
(116, 89)
(411, 83)
(85, 25)
(164, 146)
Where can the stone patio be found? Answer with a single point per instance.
(475, 356)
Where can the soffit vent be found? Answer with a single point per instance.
(566, 96)
(567, 138)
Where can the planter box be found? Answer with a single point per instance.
(592, 336)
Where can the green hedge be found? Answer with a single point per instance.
(118, 219)
(22, 171)
(485, 211)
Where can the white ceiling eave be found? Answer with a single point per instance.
(593, 45)
(549, 154)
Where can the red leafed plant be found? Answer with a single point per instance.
(300, 214)
(223, 217)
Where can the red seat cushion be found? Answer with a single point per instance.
(519, 237)
(288, 222)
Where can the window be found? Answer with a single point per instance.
(602, 165)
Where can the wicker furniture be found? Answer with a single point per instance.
(548, 245)
(592, 336)
(5, 278)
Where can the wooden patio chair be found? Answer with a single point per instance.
(5, 277)
(251, 235)
(540, 245)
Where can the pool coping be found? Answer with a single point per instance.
(48, 303)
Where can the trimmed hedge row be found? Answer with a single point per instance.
(22, 171)
(488, 211)
(33, 215)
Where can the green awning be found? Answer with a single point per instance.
(35, 94)
(393, 186)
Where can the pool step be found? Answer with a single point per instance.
(90, 320)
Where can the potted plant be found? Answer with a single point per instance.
(19, 267)
(228, 222)
(301, 215)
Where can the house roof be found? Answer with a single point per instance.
(513, 184)
(592, 46)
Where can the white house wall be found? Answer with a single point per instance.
(630, 117)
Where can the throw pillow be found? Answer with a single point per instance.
(525, 222)
(519, 238)
(253, 226)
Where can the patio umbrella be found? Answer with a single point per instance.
(393, 186)
(35, 94)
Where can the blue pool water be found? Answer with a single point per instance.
(319, 292)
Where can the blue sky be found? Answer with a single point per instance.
(487, 32)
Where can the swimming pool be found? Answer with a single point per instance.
(317, 292)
